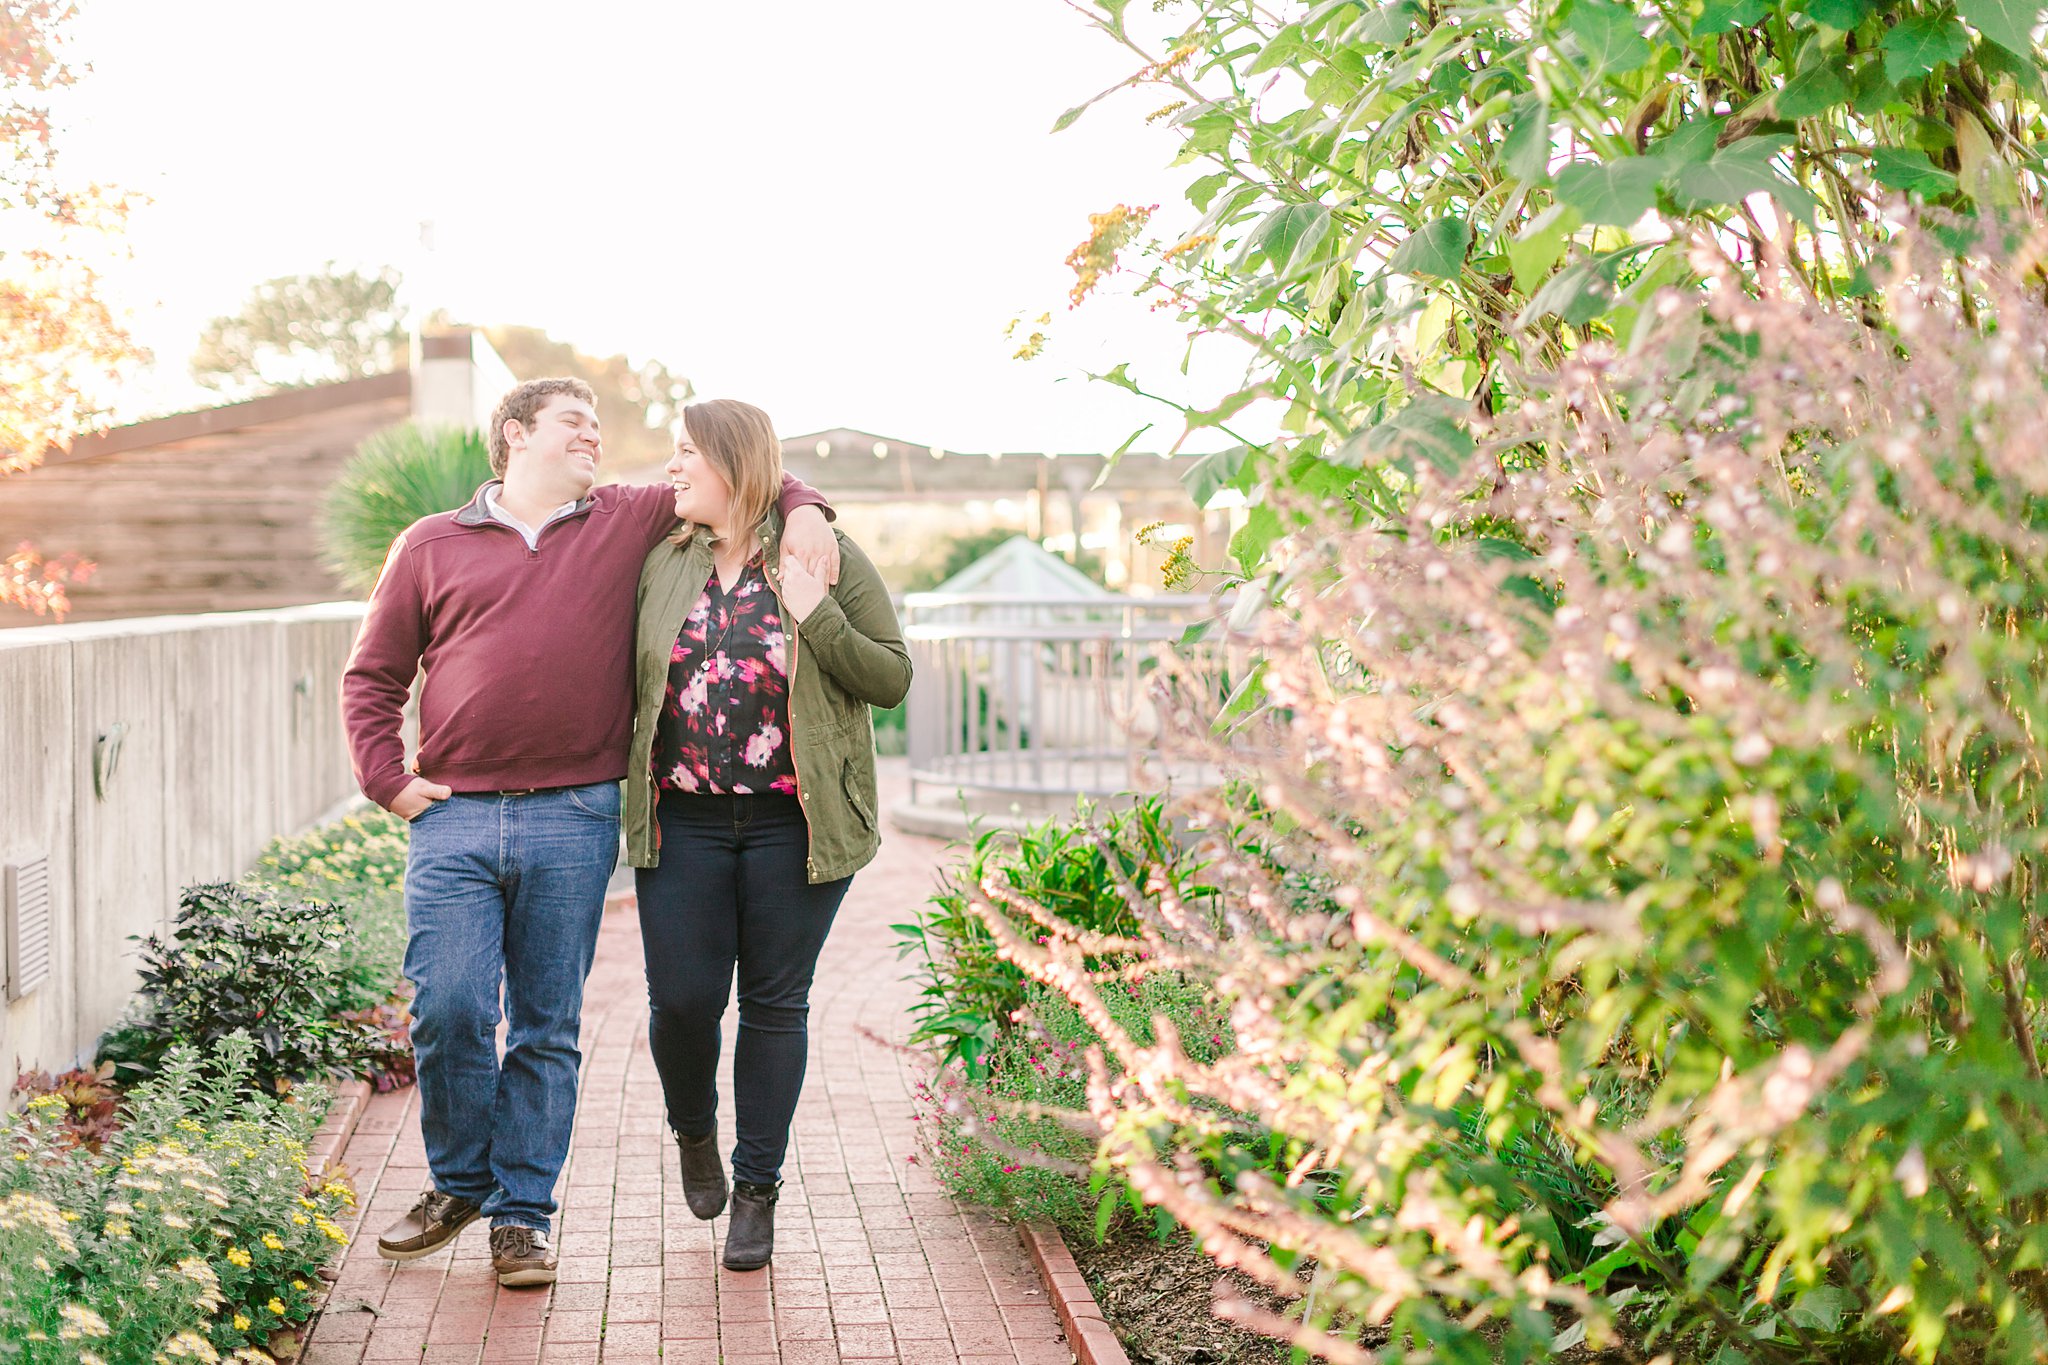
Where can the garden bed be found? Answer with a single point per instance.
(1157, 1297)
(179, 1198)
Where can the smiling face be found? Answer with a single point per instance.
(702, 493)
(560, 454)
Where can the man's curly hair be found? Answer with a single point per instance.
(524, 403)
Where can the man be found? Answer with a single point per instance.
(520, 606)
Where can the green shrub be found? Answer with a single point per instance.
(359, 861)
(194, 1233)
(1019, 1140)
(1660, 781)
(1077, 867)
(397, 476)
(241, 960)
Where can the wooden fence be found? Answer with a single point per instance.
(137, 757)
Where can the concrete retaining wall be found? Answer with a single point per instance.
(229, 735)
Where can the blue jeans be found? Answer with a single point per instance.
(731, 895)
(503, 896)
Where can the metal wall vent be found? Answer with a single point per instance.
(27, 889)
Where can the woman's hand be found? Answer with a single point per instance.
(808, 536)
(802, 590)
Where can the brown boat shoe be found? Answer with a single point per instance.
(429, 1225)
(522, 1256)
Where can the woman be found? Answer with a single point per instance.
(750, 798)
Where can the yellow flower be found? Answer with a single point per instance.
(80, 1321)
(189, 1343)
(298, 1284)
(276, 1305)
(241, 1322)
(69, 1216)
(47, 1102)
(300, 1219)
(270, 1240)
(192, 1125)
(118, 1227)
(239, 1257)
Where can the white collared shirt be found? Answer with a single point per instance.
(530, 534)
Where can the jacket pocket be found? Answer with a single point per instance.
(860, 792)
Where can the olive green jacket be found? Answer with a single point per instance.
(847, 655)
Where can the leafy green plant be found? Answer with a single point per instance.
(1662, 955)
(359, 861)
(397, 476)
(1403, 206)
(1019, 1139)
(196, 1232)
(1077, 865)
(245, 961)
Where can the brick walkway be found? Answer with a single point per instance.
(872, 1262)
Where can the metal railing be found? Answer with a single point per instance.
(1018, 699)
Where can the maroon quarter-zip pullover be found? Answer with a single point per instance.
(528, 653)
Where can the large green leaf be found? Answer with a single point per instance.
(1694, 140)
(1815, 90)
(1532, 255)
(1429, 426)
(1612, 192)
(1214, 473)
(1436, 249)
(1286, 47)
(1725, 16)
(1288, 235)
(1608, 36)
(1525, 147)
(1916, 46)
(1842, 14)
(1738, 171)
(1902, 168)
(1203, 189)
(1386, 25)
(2009, 23)
(1578, 293)
(1261, 528)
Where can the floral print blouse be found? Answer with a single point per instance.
(724, 726)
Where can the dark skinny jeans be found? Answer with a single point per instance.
(731, 892)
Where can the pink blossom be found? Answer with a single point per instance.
(762, 746)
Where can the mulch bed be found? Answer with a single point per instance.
(1156, 1296)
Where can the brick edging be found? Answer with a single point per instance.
(344, 1111)
(1080, 1316)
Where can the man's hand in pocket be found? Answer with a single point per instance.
(417, 796)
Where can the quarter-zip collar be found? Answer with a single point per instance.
(477, 512)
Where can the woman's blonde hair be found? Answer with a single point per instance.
(740, 442)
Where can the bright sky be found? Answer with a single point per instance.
(828, 209)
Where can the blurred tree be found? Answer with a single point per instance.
(298, 330)
(61, 347)
(342, 324)
(637, 404)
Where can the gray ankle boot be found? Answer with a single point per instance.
(750, 1236)
(703, 1175)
